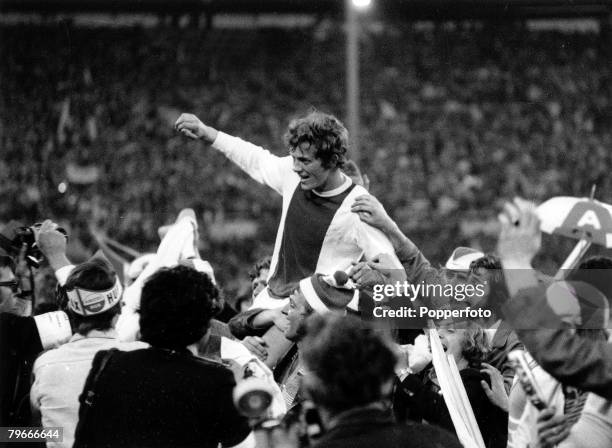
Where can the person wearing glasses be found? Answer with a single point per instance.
(22, 337)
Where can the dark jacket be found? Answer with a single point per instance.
(504, 341)
(241, 325)
(422, 400)
(158, 397)
(19, 346)
(367, 428)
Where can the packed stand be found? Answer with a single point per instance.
(473, 114)
(152, 356)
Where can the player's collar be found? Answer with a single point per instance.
(336, 191)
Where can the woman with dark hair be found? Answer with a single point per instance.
(420, 397)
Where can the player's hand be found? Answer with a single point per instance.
(192, 127)
(257, 346)
(372, 212)
(520, 237)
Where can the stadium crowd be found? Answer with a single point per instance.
(154, 356)
(473, 115)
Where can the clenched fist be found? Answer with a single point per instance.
(192, 127)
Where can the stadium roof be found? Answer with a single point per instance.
(402, 9)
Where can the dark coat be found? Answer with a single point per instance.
(421, 400)
(504, 341)
(158, 397)
(367, 428)
(19, 346)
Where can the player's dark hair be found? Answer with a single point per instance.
(323, 132)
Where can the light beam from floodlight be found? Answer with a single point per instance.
(361, 4)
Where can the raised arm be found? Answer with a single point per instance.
(570, 358)
(416, 265)
(257, 162)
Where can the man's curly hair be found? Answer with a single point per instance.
(347, 362)
(322, 131)
(176, 307)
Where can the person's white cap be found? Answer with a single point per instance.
(324, 297)
(462, 258)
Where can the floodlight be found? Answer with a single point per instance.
(361, 4)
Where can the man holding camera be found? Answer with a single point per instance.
(22, 335)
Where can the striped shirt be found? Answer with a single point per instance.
(317, 233)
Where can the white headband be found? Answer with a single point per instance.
(87, 303)
(312, 297)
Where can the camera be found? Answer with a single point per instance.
(14, 237)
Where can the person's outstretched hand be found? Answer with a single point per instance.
(192, 127)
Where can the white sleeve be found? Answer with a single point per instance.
(53, 329)
(35, 391)
(172, 247)
(169, 252)
(373, 242)
(62, 274)
(257, 162)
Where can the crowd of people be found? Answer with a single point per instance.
(454, 125)
(160, 359)
(473, 113)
